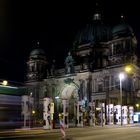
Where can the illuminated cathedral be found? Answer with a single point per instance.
(88, 89)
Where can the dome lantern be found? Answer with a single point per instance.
(97, 16)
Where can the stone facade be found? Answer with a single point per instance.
(93, 80)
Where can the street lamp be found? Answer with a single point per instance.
(128, 69)
(5, 83)
(121, 77)
(30, 108)
(132, 73)
(57, 97)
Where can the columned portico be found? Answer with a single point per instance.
(71, 106)
(65, 112)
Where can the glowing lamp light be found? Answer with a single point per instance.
(5, 83)
(122, 16)
(128, 69)
(121, 76)
(57, 97)
(137, 105)
(33, 112)
(59, 114)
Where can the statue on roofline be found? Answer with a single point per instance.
(69, 64)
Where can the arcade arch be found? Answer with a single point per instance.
(69, 96)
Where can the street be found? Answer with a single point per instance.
(88, 133)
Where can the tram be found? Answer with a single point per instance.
(10, 107)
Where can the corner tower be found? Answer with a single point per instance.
(36, 65)
(123, 47)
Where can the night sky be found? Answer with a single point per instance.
(54, 25)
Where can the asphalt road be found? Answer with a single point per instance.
(88, 133)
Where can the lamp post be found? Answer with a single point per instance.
(121, 77)
(137, 106)
(30, 109)
(133, 73)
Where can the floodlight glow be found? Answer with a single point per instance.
(128, 69)
(121, 76)
(137, 105)
(33, 112)
(57, 97)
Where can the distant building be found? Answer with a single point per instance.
(90, 77)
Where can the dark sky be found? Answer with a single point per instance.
(54, 24)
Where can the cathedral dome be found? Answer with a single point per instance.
(122, 30)
(37, 51)
(96, 31)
